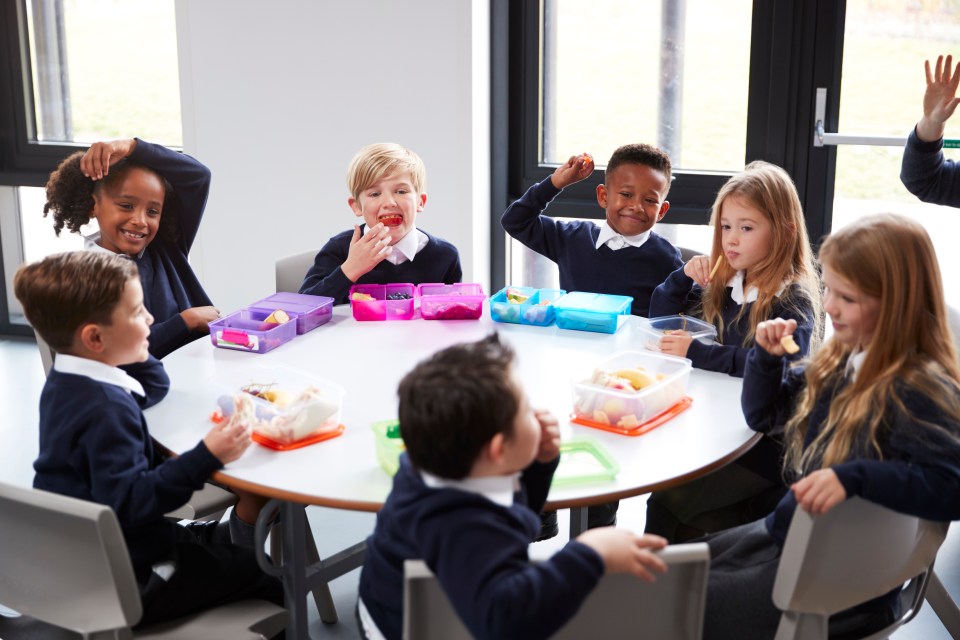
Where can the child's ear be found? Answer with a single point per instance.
(355, 205)
(91, 338)
(663, 210)
(423, 202)
(495, 449)
(602, 195)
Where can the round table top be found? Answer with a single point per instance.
(368, 359)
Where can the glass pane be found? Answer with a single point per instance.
(661, 78)
(882, 86)
(105, 69)
(39, 240)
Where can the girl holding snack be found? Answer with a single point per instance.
(148, 202)
(760, 267)
(875, 413)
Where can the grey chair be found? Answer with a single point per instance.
(686, 253)
(621, 606)
(65, 563)
(290, 270)
(855, 552)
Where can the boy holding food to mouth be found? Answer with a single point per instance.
(387, 186)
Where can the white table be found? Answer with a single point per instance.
(369, 358)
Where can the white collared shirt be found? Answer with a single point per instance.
(497, 489)
(854, 364)
(408, 246)
(91, 243)
(737, 294)
(608, 236)
(65, 363)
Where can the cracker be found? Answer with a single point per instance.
(789, 345)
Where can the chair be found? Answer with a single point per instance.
(65, 563)
(855, 552)
(686, 253)
(291, 270)
(620, 607)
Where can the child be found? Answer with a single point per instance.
(94, 442)
(477, 470)
(387, 186)
(925, 172)
(766, 267)
(875, 413)
(623, 255)
(148, 201)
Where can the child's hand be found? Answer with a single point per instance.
(698, 268)
(625, 552)
(366, 251)
(98, 159)
(675, 344)
(199, 318)
(819, 492)
(576, 169)
(770, 332)
(227, 441)
(940, 99)
(549, 436)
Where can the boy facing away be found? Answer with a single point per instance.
(476, 472)
(622, 255)
(94, 442)
(387, 186)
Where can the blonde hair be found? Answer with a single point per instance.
(383, 159)
(891, 258)
(769, 189)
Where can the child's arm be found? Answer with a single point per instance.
(152, 377)
(940, 99)
(677, 294)
(624, 552)
(537, 477)
(331, 275)
(769, 384)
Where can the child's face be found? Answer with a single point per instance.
(634, 197)
(125, 338)
(521, 449)
(853, 313)
(746, 234)
(129, 214)
(391, 201)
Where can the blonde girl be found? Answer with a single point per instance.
(875, 413)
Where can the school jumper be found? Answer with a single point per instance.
(919, 475)
(478, 551)
(927, 174)
(631, 271)
(438, 261)
(95, 446)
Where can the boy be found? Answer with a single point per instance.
(94, 442)
(387, 189)
(476, 472)
(623, 255)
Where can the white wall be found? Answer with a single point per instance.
(278, 96)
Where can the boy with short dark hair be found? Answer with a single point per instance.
(94, 443)
(477, 470)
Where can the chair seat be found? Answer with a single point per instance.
(203, 503)
(246, 619)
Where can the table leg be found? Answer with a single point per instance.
(294, 568)
(578, 521)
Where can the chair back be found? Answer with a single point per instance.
(621, 605)
(46, 353)
(290, 270)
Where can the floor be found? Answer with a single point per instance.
(22, 378)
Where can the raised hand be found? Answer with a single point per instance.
(549, 436)
(573, 170)
(98, 159)
(940, 99)
(366, 251)
(770, 332)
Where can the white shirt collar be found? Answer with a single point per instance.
(608, 236)
(496, 489)
(737, 294)
(854, 364)
(65, 363)
(408, 247)
(90, 243)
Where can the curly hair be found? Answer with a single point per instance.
(70, 195)
(642, 154)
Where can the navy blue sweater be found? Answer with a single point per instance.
(920, 471)
(438, 261)
(478, 551)
(631, 271)
(94, 445)
(680, 294)
(927, 174)
(169, 283)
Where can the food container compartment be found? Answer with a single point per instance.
(537, 309)
(629, 410)
(311, 311)
(387, 303)
(246, 330)
(584, 461)
(389, 445)
(655, 328)
(462, 301)
(600, 312)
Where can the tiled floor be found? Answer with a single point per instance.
(22, 378)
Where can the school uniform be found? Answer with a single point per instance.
(927, 174)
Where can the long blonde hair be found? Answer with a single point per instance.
(769, 189)
(891, 258)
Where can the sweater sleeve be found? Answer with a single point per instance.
(770, 387)
(524, 222)
(154, 379)
(677, 294)
(169, 335)
(927, 174)
(536, 481)
(325, 277)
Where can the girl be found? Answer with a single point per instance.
(875, 413)
(765, 267)
(148, 202)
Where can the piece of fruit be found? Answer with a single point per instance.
(278, 397)
(361, 297)
(638, 379)
(278, 317)
(515, 297)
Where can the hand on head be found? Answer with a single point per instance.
(819, 492)
(98, 159)
(940, 99)
(770, 332)
(625, 552)
(573, 170)
(228, 440)
(366, 251)
(549, 436)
